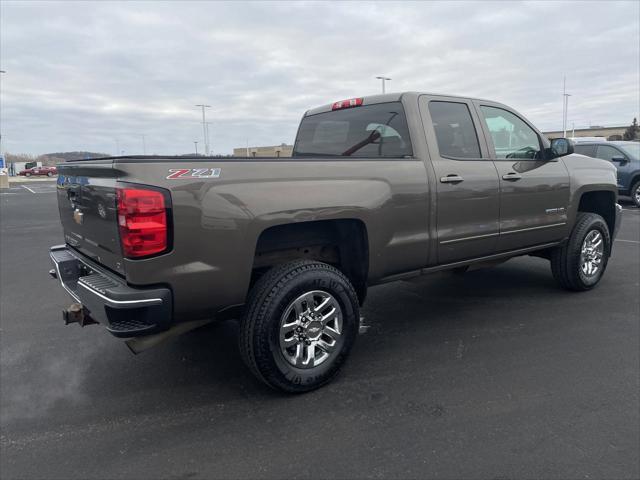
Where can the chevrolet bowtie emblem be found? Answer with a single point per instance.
(78, 216)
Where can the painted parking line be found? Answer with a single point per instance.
(35, 189)
(626, 241)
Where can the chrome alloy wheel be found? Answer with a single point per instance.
(310, 329)
(636, 195)
(592, 253)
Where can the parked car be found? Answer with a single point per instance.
(379, 189)
(625, 156)
(48, 171)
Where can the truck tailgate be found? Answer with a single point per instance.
(87, 205)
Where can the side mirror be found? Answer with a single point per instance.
(561, 147)
(620, 160)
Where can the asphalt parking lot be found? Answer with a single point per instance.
(493, 374)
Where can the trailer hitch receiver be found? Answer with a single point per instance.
(77, 313)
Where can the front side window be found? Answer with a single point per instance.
(454, 130)
(608, 153)
(378, 130)
(632, 150)
(512, 137)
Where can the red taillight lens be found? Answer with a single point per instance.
(353, 102)
(142, 218)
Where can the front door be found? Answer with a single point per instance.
(467, 186)
(534, 192)
(620, 161)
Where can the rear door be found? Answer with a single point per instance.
(466, 180)
(87, 205)
(534, 192)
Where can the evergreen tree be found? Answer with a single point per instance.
(633, 131)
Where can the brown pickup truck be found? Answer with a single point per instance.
(379, 188)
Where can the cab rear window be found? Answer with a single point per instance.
(378, 130)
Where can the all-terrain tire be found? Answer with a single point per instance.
(270, 297)
(566, 260)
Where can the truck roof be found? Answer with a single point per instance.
(389, 97)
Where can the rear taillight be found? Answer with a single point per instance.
(142, 219)
(353, 102)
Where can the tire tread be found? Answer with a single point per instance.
(564, 259)
(258, 302)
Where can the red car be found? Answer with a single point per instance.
(48, 171)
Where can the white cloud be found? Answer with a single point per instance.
(80, 75)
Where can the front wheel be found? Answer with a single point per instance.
(27, 174)
(49, 174)
(300, 323)
(635, 194)
(580, 263)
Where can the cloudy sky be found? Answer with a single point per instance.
(95, 76)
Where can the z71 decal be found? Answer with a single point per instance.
(175, 173)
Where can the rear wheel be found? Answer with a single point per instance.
(49, 174)
(635, 194)
(27, 174)
(580, 263)
(300, 323)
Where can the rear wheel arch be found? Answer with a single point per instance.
(343, 243)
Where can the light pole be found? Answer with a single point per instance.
(204, 127)
(144, 144)
(117, 146)
(384, 79)
(196, 144)
(565, 105)
(1, 71)
(209, 139)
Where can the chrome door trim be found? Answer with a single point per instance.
(528, 229)
(474, 237)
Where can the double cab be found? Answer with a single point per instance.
(379, 188)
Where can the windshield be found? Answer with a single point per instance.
(378, 130)
(631, 149)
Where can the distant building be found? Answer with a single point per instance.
(283, 150)
(610, 133)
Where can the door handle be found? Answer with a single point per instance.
(511, 177)
(451, 178)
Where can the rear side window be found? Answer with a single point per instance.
(588, 150)
(378, 130)
(454, 130)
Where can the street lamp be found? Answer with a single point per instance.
(144, 144)
(204, 127)
(209, 139)
(565, 105)
(383, 80)
(1, 71)
(196, 144)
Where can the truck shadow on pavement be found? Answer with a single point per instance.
(416, 329)
(207, 361)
